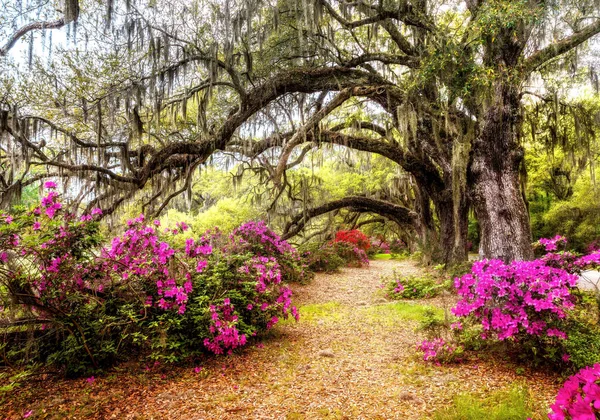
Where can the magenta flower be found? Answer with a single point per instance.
(201, 266)
(36, 226)
(579, 398)
(50, 185)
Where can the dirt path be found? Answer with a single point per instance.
(352, 355)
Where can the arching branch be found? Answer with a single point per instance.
(24, 30)
(558, 48)
(399, 214)
(70, 14)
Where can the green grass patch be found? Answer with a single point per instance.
(393, 313)
(382, 256)
(512, 403)
(329, 311)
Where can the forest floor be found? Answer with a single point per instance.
(352, 355)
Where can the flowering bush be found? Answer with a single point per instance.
(439, 351)
(352, 255)
(397, 246)
(354, 237)
(258, 239)
(378, 246)
(322, 258)
(510, 300)
(69, 297)
(579, 398)
(533, 304)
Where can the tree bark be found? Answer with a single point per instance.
(497, 199)
(453, 231)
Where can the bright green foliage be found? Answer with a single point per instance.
(577, 218)
(582, 344)
(322, 258)
(510, 404)
(399, 286)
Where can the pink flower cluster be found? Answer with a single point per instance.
(139, 252)
(551, 244)
(399, 287)
(436, 350)
(258, 233)
(515, 298)
(579, 398)
(223, 329)
(267, 274)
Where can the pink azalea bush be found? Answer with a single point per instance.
(579, 398)
(531, 304)
(378, 246)
(256, 238)
(438, 350)
(87, 306)
(509, 300)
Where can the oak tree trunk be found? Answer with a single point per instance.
(497, 199)
(453, 231)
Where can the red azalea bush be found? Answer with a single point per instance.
(354, 237)
(65, 300)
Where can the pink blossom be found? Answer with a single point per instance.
(201, 266)
(50, 185)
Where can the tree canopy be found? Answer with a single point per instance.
(130, 100)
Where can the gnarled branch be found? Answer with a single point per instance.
(399, 214)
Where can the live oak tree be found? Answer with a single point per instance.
(150, 91)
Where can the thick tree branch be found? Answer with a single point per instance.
(399, 214)
(403, 13)
(556, 49)
(24, 30)
(403, 60)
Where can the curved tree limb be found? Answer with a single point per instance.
(556, 49)
(399, 214)
(24, 30)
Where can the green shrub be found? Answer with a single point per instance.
(510, 404)
(582, 344)
(412, 287)
(352, 255)
(322, 258)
